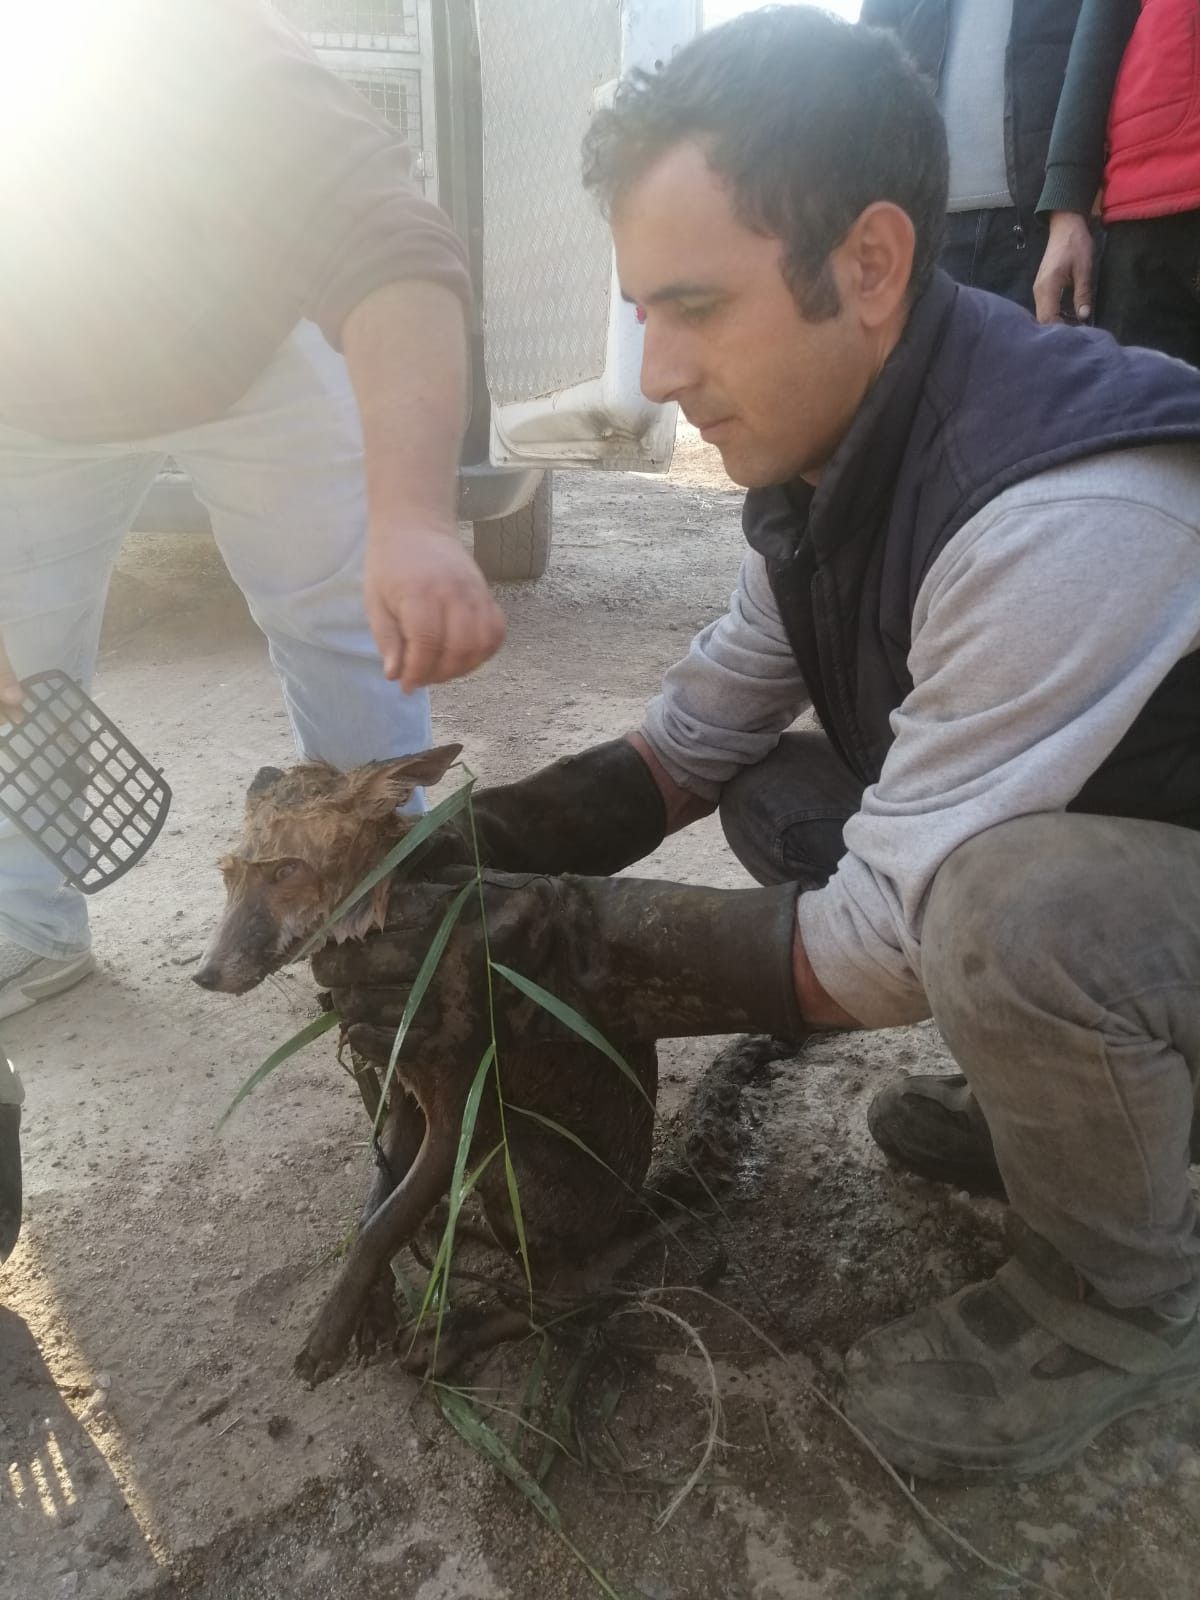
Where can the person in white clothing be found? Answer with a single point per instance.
(214, 253)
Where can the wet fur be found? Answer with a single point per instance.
(336, 827)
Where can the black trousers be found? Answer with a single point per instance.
(1149, 284)
(992, 250)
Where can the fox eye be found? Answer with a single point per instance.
(285, 869)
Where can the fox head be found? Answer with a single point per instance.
(309, 837)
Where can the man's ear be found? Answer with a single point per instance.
(265, 778)
(876, 262)
(384, 785)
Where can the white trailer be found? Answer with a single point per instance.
(493, 98)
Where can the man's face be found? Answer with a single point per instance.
(724, 337)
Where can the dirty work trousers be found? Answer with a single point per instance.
(281, 475)
(1060, 956)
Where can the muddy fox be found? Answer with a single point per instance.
(309, 836)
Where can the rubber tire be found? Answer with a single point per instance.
(510, 549)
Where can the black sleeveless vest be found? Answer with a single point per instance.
(974, 399)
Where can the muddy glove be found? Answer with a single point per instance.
(594, 813)
(637, 959)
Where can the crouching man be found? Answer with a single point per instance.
(973, 551)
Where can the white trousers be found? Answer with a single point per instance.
(281, 475)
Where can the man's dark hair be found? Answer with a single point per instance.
(808, 120)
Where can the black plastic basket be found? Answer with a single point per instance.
(76, 787)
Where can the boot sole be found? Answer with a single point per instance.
(886, 1121)
(936, 1463)
(21, 994)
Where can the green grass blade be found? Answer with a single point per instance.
(310, 1031)
(408, 1293)
(400, 851)
(534, 1382)
(485, 1441)
(441, 1260)
(559, 1426)
(457, 1193)
(570, 1018)
(571, 1138)
(421, 982)
(483, 1438)
(518, 1216)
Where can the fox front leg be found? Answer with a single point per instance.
(378, 1240)
(400, 1143)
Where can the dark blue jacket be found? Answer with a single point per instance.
(975, 398)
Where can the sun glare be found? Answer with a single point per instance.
(49, 55)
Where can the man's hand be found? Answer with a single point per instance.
(1067, 264)
(638, 959)
(427, 602)
(11, 692)
(371, 979)
(429, 607)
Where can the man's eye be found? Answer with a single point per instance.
(695, 311)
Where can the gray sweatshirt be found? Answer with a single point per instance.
(1038, 634)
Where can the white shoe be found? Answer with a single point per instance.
(25, 978)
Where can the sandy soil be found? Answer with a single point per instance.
(155, 1441)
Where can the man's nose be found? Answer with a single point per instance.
(667, 370)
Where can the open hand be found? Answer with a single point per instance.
(429, 606)
(371, 979)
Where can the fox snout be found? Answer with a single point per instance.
(270, 909)
(242, 952)
(309, 837)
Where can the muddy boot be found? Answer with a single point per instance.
(11, 1097)
(1013, 1377)
(932, 1125)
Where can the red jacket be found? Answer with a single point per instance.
(1153, 167)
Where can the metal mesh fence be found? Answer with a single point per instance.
(396, 91)
(356, 24)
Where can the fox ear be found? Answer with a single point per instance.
(388, 784)
(265, 778)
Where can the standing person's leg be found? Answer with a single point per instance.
(282, 477)
(1061, 958)
(63, 512)
(996, 251)
(1149, 284)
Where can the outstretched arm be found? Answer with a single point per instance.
(428, 604)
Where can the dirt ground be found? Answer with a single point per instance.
(156, 1443)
